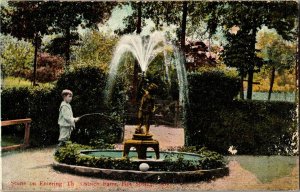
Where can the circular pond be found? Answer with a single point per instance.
(172, 155)
(171, 167)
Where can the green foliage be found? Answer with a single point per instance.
(95, 49)
(36, 103)
(209, 160)
(254, 127)
(16, 56)
(24, 19)
(212, 87)
(31, 20)
(16, 82)
(207, 91)
(17, 60)
(67, 16)
(101, 144)
(70, 154)
(159, 12)
(15, 103)
(156, 74)
(42, 104)
(275, 51)
(240, 52)
(8, 140)
(11, 82)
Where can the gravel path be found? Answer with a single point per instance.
(31, 170)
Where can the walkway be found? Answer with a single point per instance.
(31, 170)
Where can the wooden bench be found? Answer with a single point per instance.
(26, 135)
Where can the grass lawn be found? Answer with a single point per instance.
(8, 140)
(10, 82)
(267, 168)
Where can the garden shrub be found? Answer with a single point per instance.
(14, 103)
(88, 84)
(215, 120)
(50, 67)
(210, 159)
(37, 103)
(16, 55)
(42, 105)
(212, 87)
(260, 127)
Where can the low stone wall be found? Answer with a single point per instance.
(149, 176)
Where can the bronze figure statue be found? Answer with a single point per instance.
(146, 109)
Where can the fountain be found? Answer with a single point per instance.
(145, 51)
(142, 139)
(127, 164)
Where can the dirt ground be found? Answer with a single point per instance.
(31, 170)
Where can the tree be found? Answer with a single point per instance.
(31, 20)
(278, 54)
(198, 55)
(67, 16)
(16, 56)
(25, 20)
(249, 16)
(95, 49)
(183, 24)
(239, 53)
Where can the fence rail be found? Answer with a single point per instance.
(26, 135)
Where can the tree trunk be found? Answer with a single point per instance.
(136, 64)
(250, 84)
(35, 58)
(251, 68)
(271, 83)
(183, 25)
(68, 45)
(242, 87)
(139, 19)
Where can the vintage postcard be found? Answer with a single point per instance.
(149, 95)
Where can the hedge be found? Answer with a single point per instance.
(253, 127)
(42, 104)
(35, 103)
(212, 87)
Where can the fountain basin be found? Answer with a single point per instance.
(158, 171)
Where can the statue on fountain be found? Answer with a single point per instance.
(146, 109)
(142, 140)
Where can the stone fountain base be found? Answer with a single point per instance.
(141, 142)
(149, 176)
